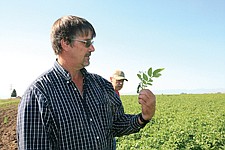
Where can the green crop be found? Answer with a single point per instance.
(181, 122)
(147, 78)
(5, 120)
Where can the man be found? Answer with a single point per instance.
(68, 108)
(117, 80)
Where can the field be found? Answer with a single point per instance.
(186, 121)
(8, 113)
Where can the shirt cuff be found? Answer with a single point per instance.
(136, 123)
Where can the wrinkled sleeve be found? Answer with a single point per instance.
(123, 124)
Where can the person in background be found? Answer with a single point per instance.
(68, 108)
(117, 80)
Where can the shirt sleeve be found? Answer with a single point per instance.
(32, 121)
(123, 124)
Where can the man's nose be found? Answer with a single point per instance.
(91, 48)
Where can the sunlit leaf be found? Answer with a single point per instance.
(145, 77)
(157, 75)
(150, 71)
(150, 80)
(149, 83)
(144, 81)
(139, 76)
(157, 71)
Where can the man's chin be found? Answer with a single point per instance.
(86, 64)
(119, 88)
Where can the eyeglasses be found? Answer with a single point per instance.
(87, 43)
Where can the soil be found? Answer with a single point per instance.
(8, 116)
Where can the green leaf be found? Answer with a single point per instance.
(150, 71)
(149, 83)
(139, 76)
(5, 120)
(150, 80)
(157, 75)
(157, 71)
(144, 82)
(145, 77)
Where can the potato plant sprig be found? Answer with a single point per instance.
(146, 78)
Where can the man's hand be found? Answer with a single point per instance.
(148, 101)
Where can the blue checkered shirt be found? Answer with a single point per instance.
(53, 115)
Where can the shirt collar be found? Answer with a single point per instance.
(63, 72)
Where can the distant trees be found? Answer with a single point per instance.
(14, 94)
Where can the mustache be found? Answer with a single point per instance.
(88, 54)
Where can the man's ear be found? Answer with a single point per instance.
(64, 44)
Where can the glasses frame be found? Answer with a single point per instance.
(87, 43)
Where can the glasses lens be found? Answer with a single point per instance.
(89, 43)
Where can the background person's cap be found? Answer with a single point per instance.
(119, 75)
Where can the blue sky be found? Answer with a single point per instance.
(187, 38)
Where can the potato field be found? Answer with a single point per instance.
(186, 121)
(181, 122)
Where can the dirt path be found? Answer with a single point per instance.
(8, 128)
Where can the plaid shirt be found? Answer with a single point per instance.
(53, 115)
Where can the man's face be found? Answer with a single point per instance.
(117, 84)
(81, 50)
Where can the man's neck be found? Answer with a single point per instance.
(117, 92)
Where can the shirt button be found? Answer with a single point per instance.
(97, 137)
(90, 119)
(68, 82)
